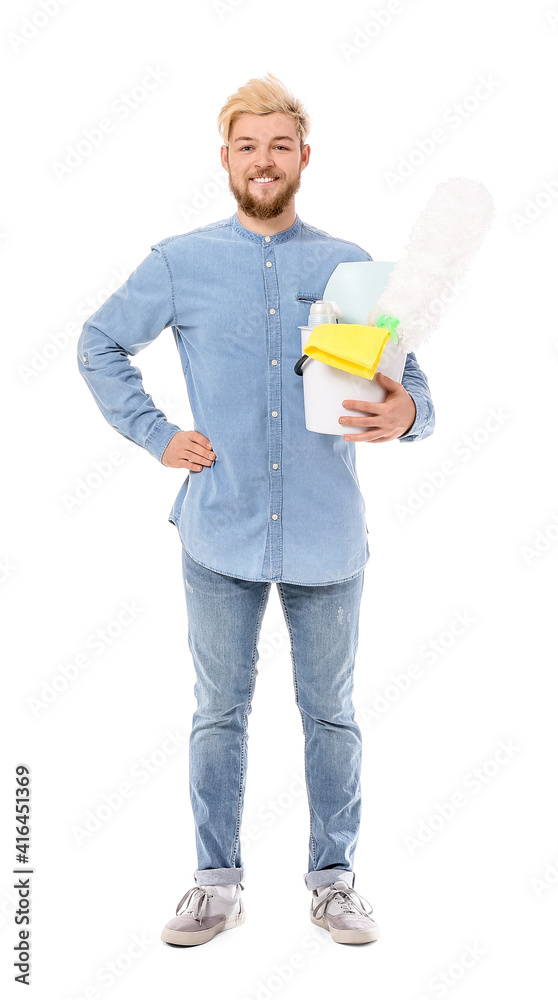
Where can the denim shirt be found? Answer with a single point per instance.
(279, 502)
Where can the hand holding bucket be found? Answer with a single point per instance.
(339, 363)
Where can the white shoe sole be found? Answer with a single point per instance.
(200, 937)
(346, 935)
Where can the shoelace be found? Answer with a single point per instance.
(346, 900)
(196, 900)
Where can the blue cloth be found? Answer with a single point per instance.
(224, 622)
(279, 503)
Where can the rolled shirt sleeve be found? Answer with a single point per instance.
(130, 319)
(415, 382)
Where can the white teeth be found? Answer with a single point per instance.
(263, 180)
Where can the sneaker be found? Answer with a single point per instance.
(343, 913)
(206, 914)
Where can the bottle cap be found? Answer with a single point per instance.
(324, 308)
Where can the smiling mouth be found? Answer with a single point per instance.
(264, 181)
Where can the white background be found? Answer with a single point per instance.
(485, 878)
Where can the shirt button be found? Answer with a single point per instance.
(272, 311)
(268, 263)
(84, 357)
(267, 239)
(275, 516)
(274, 362)
(275, 466)
(274, 413)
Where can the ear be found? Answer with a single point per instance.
(225, 157)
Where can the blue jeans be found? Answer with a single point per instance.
(224, 620)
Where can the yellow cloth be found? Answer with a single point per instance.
(353, 347)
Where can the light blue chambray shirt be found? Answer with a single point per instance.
(279, 503)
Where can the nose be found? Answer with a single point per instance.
(264, 162)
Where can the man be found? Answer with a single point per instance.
(265, 501)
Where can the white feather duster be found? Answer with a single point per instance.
(441, 245)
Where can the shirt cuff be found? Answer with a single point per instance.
(420, 417)
(159, 438)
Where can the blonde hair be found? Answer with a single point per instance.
(263, 97)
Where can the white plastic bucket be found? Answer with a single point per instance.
(325, 388)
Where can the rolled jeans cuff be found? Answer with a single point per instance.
(327, 876)
(219, 876)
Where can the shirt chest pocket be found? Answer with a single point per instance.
(308, 297)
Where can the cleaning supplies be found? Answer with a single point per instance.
(403, 305)
(340, 359)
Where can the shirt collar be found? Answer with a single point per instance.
(248, 234)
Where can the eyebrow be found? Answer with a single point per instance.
(242, 138)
